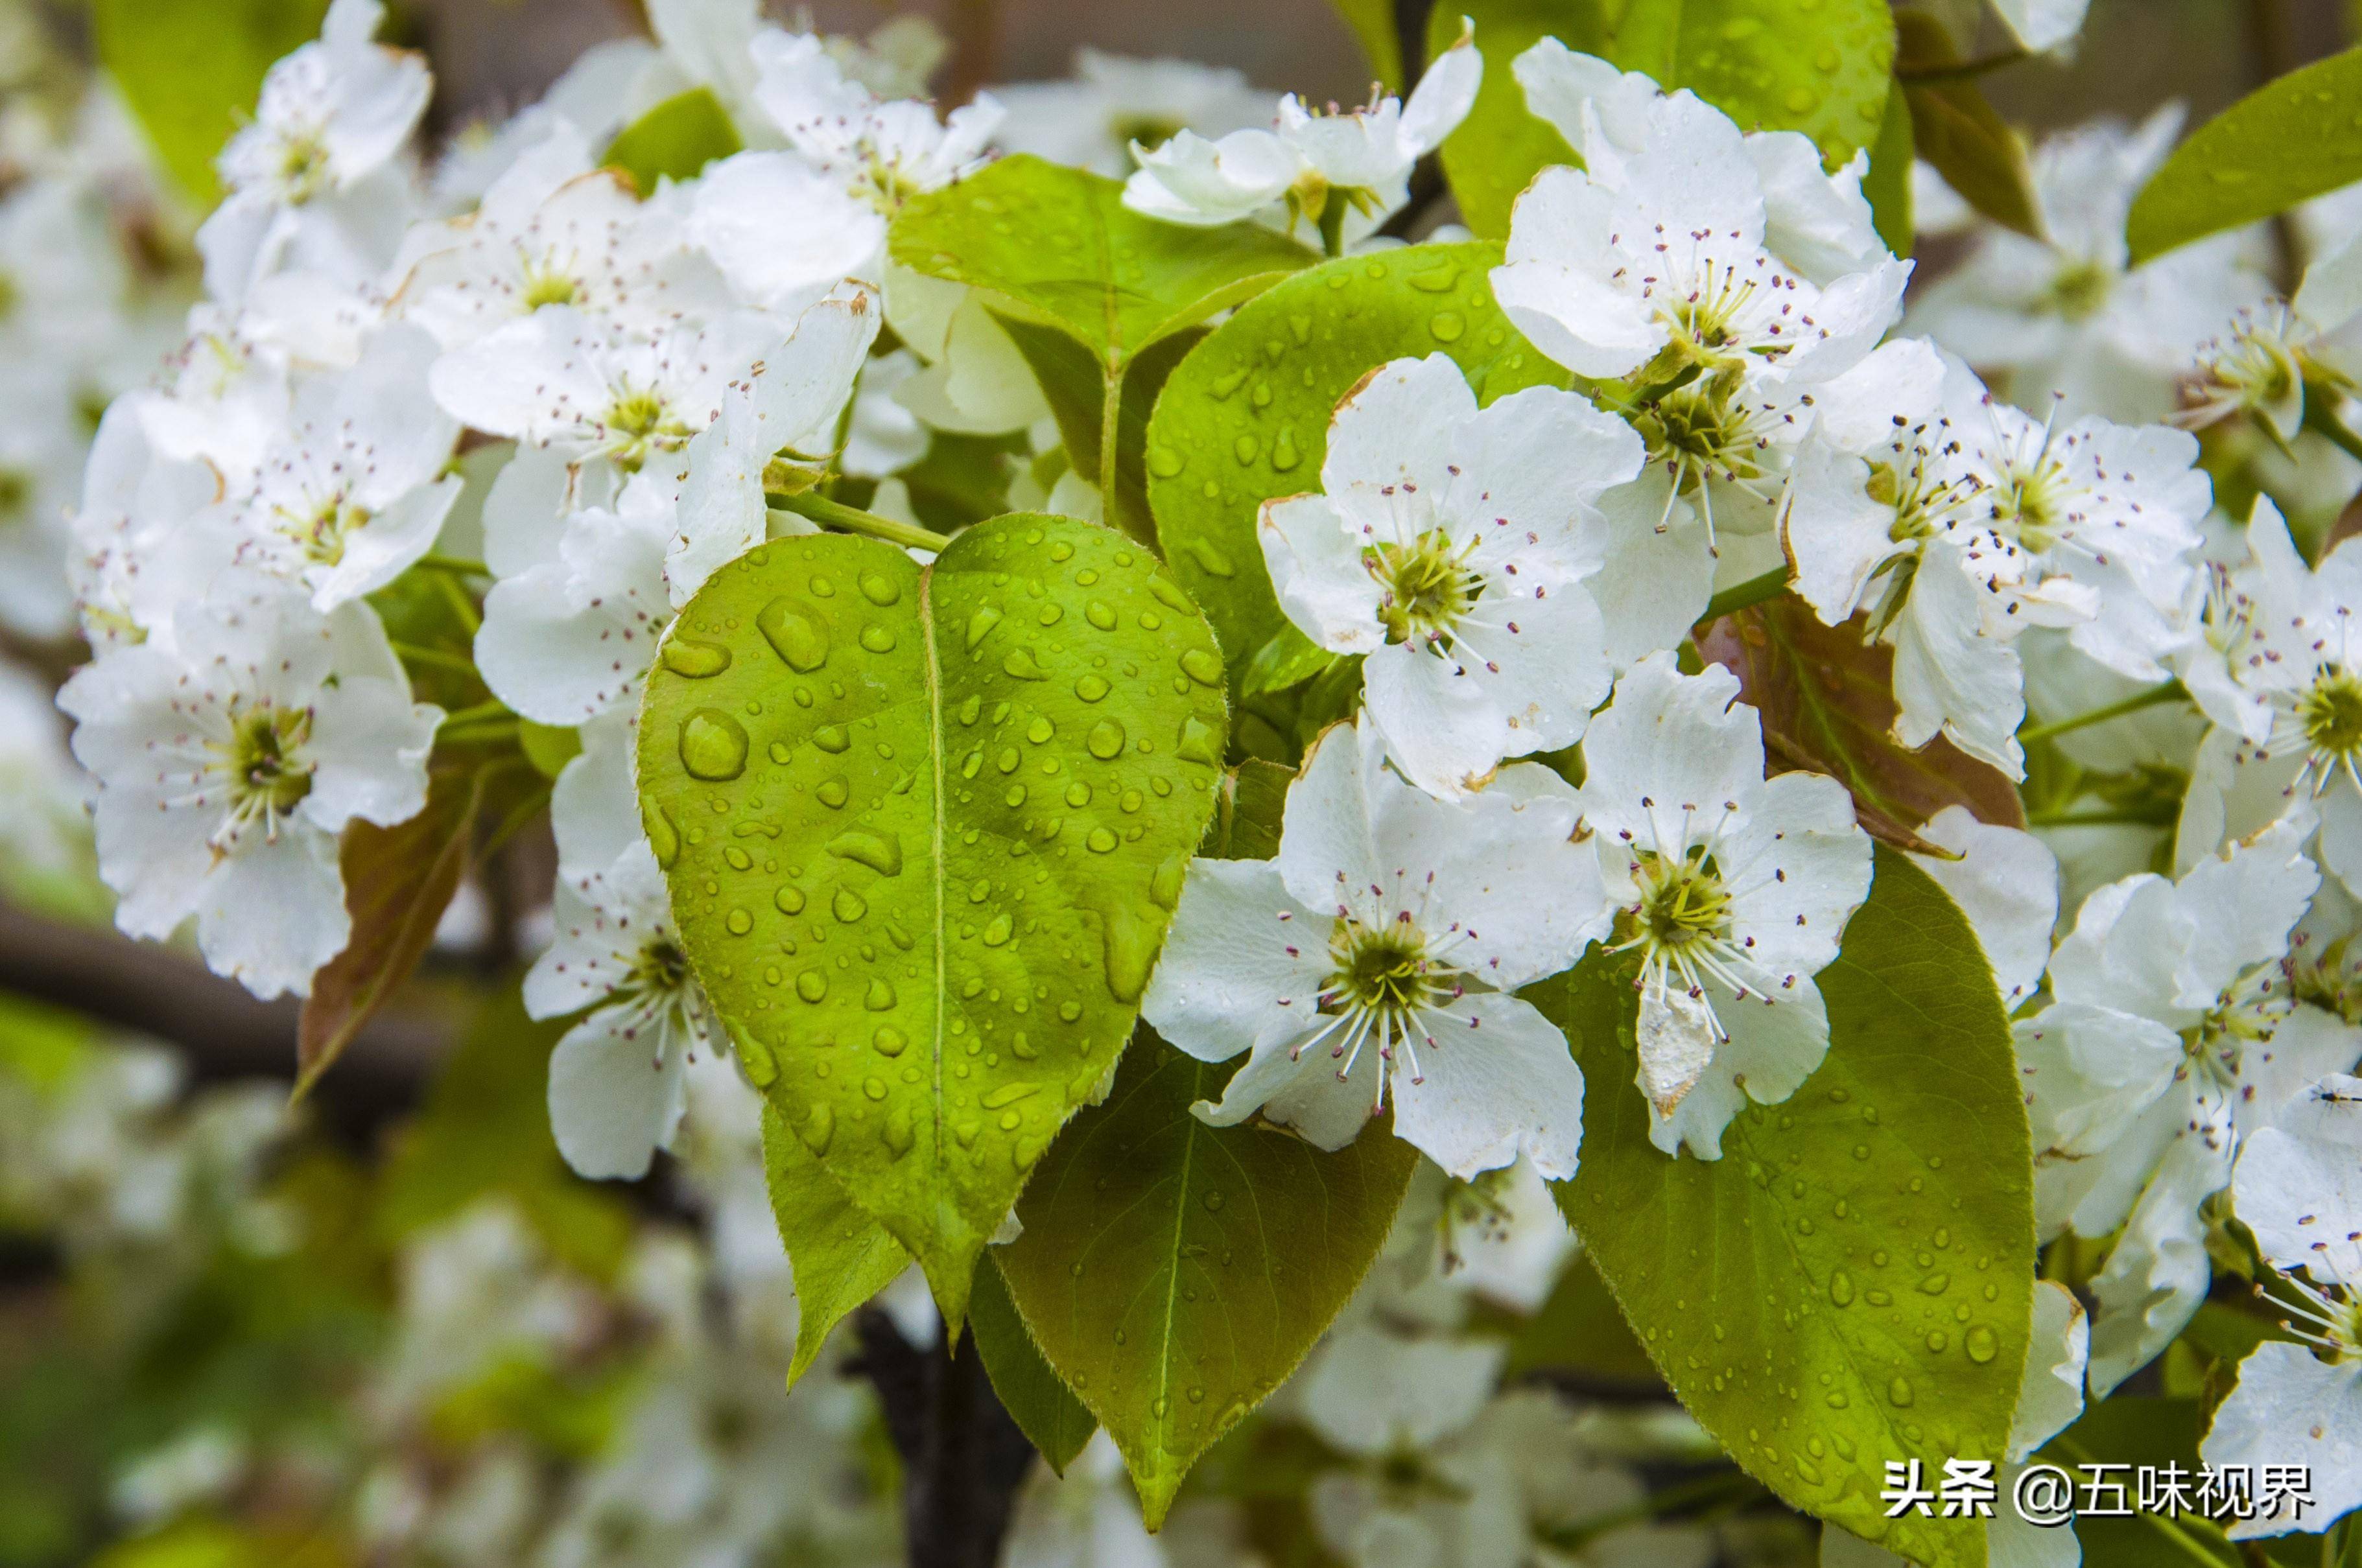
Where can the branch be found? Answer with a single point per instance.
(224, 1033)
(963, 1457)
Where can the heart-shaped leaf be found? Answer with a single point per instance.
(841, 1257)
(1174, 1274)
(924, 828)
(1851, 1282)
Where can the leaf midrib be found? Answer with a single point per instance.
(926, 607)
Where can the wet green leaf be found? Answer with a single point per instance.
(2289, 141)
(1174, 1273)
(1044, 1409)
(1057, 247)
(924, 828)
(1851, 1282)
(840, 1255)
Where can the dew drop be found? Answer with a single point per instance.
(1106, 740)
(879, 589)
(1091, 687)
(897, 1133)
(889, 1040)
(832, 793)
(1447, 325)
(712, 745)
(663, 837)
(788, 900)
(1021, 665)
(997, 932)
(1981, 1344)
(794, 636)
(873, 1088)
(878, 638)
(1100, 841)
(1898, 1392)
(1209, 558)
(1841, 1289)
(738, 921)
(1163, 461)
(848, 906)
(882, 853)
(694, 659)
(1099, 614)
(879, 997)
(1202, 666)
(820, 1126)
(811, 985)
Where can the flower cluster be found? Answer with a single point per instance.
(1590, 661)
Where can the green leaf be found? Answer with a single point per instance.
(2131, 1430)
(2287, 142)
(1248, 815)
(1045, 1409)
(1851, 1283)
(1058, 247)
(191, 73)
(1816, 66)
(1827, 705)
(922, 829)
(1174, 1273)
(1958, 132)
(1887, 187)
(1499, 147)
(1373, 22)
(1246, 416)
(1290, 659)
(841, 1257)
(674, 141)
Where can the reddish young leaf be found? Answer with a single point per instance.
(1827, 704)
(398, 882)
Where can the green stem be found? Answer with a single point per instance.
(481, 732)
(1332, 225)
(830, 513)
(495, 709)
(2319, 417)
(1738, 596)
(1963, 71)
(437, 658)
(461, 605)
(2170, 691)
(432, 561)
(2163, 1525)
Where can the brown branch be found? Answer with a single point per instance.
(224, 1033)
(963, 1457)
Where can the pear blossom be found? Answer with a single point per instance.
(1384, 946)
(229, 760)
(2299, 1401)
(1958, 522)
(554, 229)
(316, 178)
(2273, 354)
(1466, 555)
(1721, 276)
(1342, 174)
(2173, 1034)
(559, 379)
(788, 226)
(135, 555)
(2042, 25)
(1732, 889)
(1114, 101)
(2278, 671)
(2068, 314)
(354, 489)
(618, 1079)
(2006, 882)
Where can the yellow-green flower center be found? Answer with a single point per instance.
(2332, 715)
(1384, 971)
(547, 286)
(2079, 289)
(1682, 902)
(267, 776)
(1428, 587)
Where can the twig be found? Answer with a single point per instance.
(224, 1033)
(963, 1457)
(815, 507)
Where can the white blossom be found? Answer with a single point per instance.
(1732, 889)
(2300, 1402)
(1355, 162)
(229, 761)
(1384, 946)
(1091, 121)
(2068, 314)
(1465, 556)
(2173, 1034)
